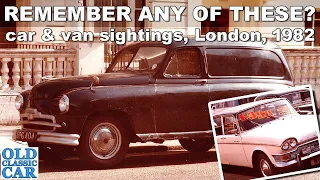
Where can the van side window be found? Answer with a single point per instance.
(184, 63)
(243, 62)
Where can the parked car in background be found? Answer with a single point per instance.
(266, 135)
(150, 92)
(299, 98)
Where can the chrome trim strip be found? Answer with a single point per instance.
(176, 135)
(259, 144)
(43, 123)
(55, 138)
(310, 155)
(285, 164)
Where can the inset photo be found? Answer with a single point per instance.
(270, 134)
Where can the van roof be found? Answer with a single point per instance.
(215, 44)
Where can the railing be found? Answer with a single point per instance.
(23, 68)
(305, 65)
(41, 46)
(33, 46)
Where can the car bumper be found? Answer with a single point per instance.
(298, 161)
(53, 138)
(43, 129)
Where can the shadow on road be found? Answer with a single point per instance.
(243, 173)
(137, 157)
(236, 172)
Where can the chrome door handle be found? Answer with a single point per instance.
(223, 138)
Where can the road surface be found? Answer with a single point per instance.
(145, 161)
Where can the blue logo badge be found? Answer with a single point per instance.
(19, 163)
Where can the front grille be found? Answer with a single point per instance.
(34, 120)
(309, 148)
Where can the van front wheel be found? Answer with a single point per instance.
(104, 142)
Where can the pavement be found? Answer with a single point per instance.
(9, 115)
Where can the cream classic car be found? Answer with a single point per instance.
(266, 135)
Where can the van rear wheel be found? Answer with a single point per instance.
(197, 145)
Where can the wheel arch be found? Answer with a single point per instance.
(121, 116)
(255, 154)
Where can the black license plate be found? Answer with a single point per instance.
(26, 136)
(315, 161)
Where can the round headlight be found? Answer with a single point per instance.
(19, 102)
(64, 103)
(289, 143)
(285, 146)
(293, 142)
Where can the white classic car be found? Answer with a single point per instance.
(266, 135)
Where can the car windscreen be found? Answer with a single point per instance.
(265, 113)
(243, 62)
(139, 59)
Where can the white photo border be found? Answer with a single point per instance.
(264, 93)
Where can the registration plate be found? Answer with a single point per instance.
(24, 136)
(315, 161)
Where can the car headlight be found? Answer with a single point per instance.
(19, 102)
(64, 103)
(289, 144)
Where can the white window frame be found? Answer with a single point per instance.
(313, 25)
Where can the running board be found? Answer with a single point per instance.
(176, 135)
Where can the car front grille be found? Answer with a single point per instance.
(308, 148)
(34, 120)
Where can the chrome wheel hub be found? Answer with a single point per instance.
(265, 168)
(105, 140)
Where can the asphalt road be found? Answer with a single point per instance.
(161, 165)
(242, 173)
(148, 161)
(145, 161)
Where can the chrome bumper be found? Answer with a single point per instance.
(54, 138)
(35, 118)
(297, 161)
